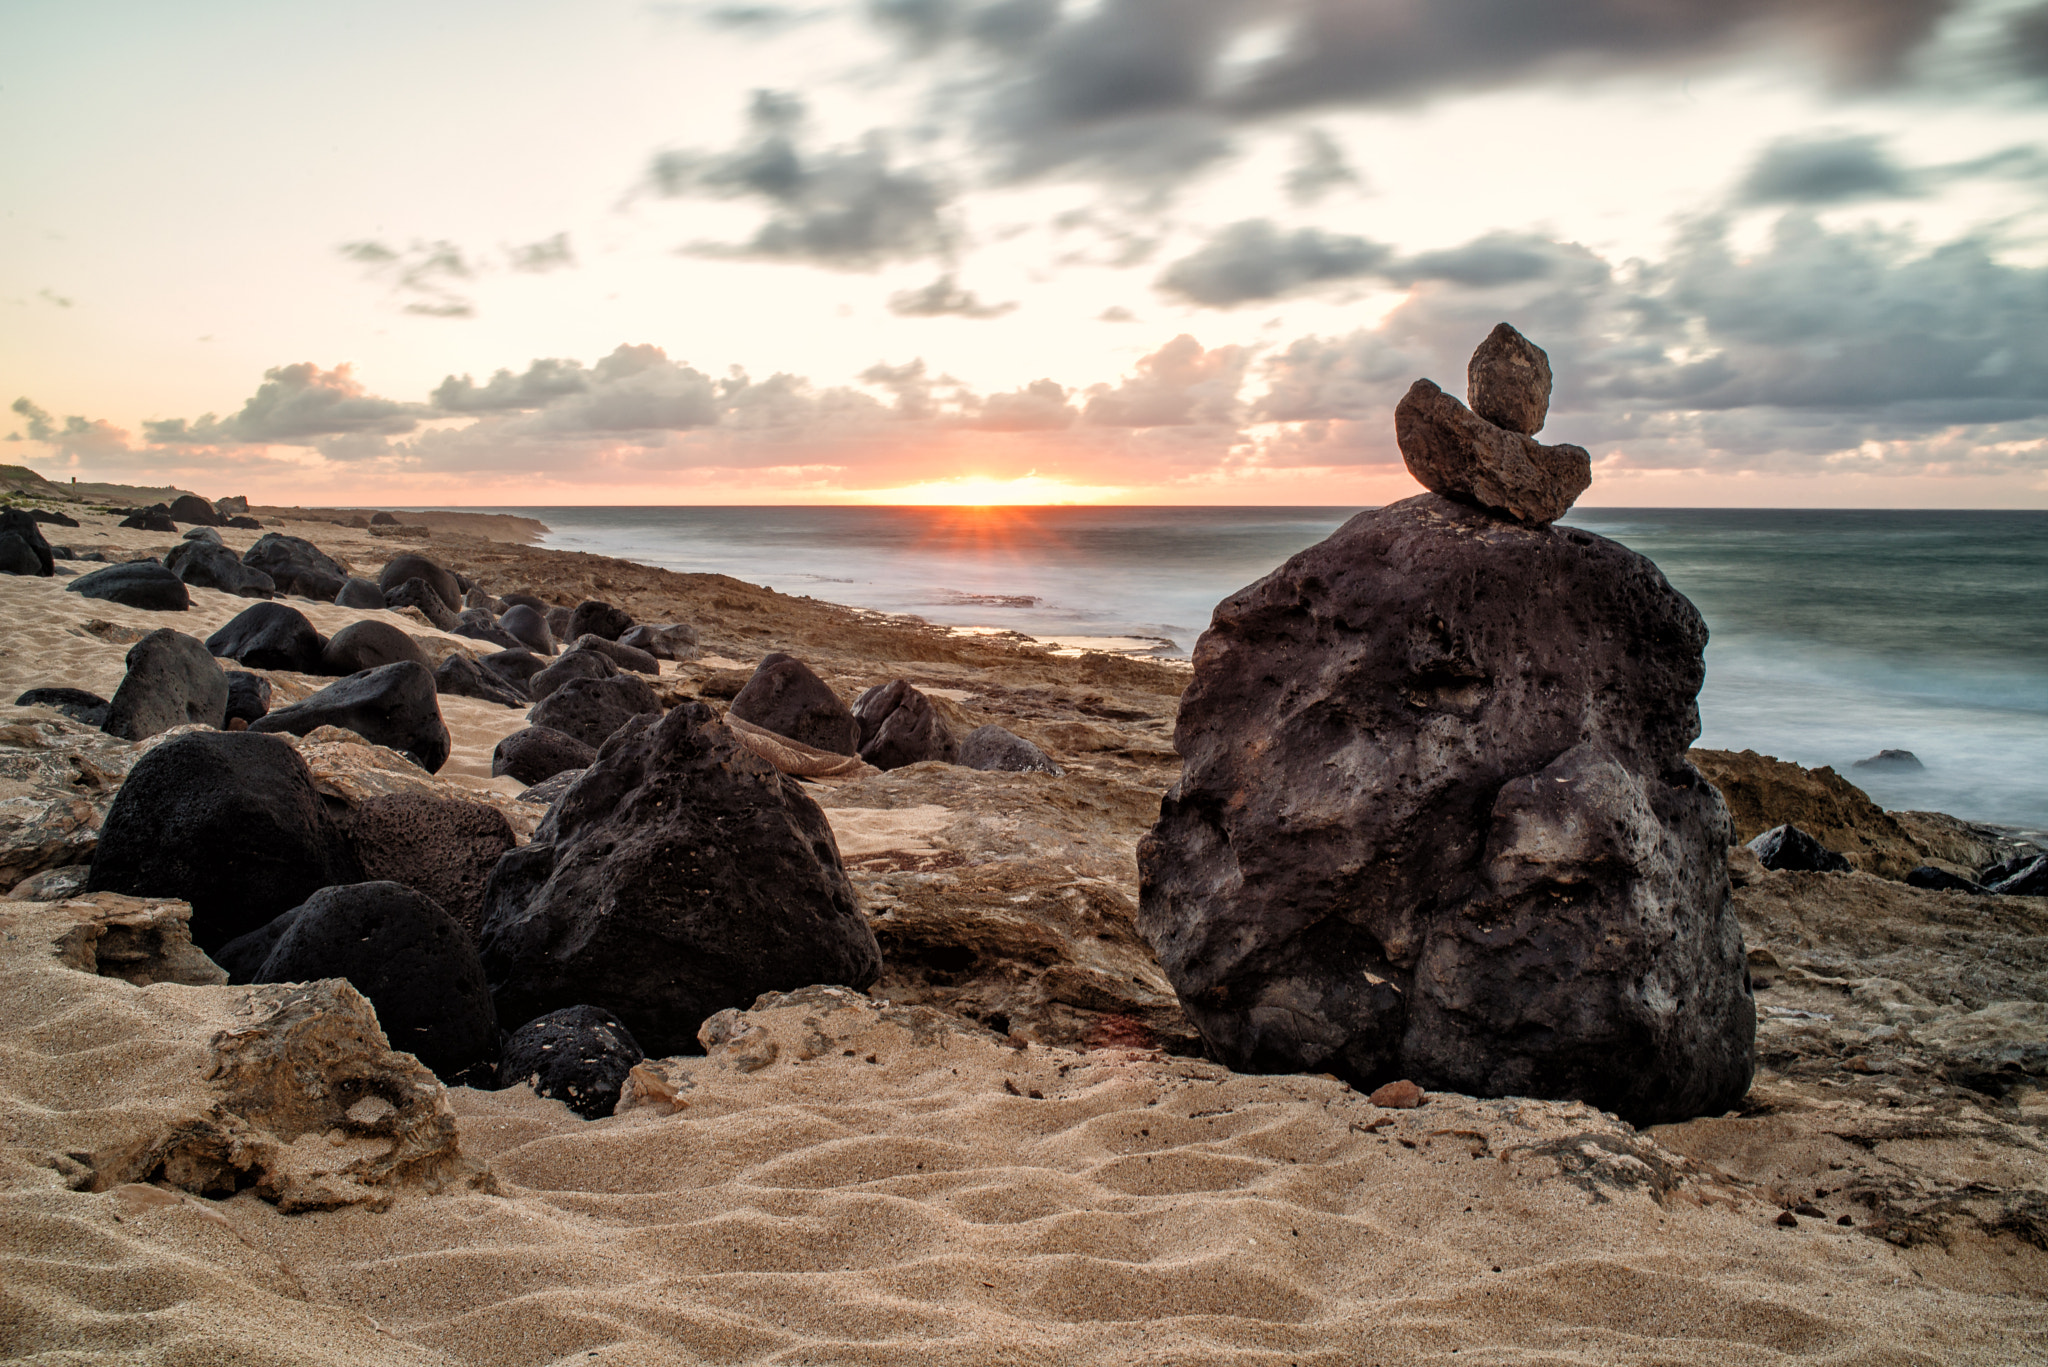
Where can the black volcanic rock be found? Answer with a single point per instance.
(2028, 880)
(155, 518)
(248, 695)
(995, 747)
(358, 594)
(591, 709)
(598, 618)
(18, 557)
(143, 584)
(194, 511)
(576, 664)
(1437, 823)
(680, 875)
(209, 565)
(22, 525)
(296, 566)
(269, 636)
(368, 644)
(442, 847)
(624, 656)
(1895, 761)
(899, 726)
(538, 753)
(1941, 880)
(476, 625)
(391, 706)
(663, 640)
(458, 674)
(443, 582)
(528, 627)
(74, 703)
(415, 593)
(172, 680)
(785, 697)
(1789, 849)
(579, 1056)
(515, 667)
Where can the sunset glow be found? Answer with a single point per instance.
(971, 491)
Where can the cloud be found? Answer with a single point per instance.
(294, 404)
(1825, 170)
(544, 381)
(537, 258)
(1176, 386)
(943, 298)
(425, 273)
(1320, 166)
(635, 389)
(77, 436)
(2027, 42)
(848, 208)
(1256, 260)
(1040, 406)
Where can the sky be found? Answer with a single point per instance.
(1781, 253)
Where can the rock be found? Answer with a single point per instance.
(477, 626)
(369, 644)
(297, 566)
(1898, 761)
(210, 565)
(1941, 880)
(597, 618)
(154, 519)
(1436, 822)
(401, 568)
(515, 667)
(247, 524)
(995, 748)
(540, 752)
(558, 622)
(359, 594)
(172, 680)
(1789, 849)
(2007, 867)
(1454, 452)
(1508, 381)
(19, 558)
(270, 636)
(409, 957)
(194, 510)
(54, 885)
(899, 726)
(1763, 792)
(75, 703)
(525, 600)
(229, 822)
(440, 847)
(206, 534)
(2029, 880)
(579, 1056)
(680, 875)
(416, 593)
(248, 695)
(234, 505)
(141, 584)
(383, 520)
(725, 684)
(576, 664)
(624, 656)
(51, 516)
(476, 598)
(591, 709)
(794, 757)
(1398, 1096)
(392, 705)
(663, 640)
(785, 697)
(528, 627)
(59, 775)
(548, 790)
(465, 678)
(21, 525)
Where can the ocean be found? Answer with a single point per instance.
(1835, 634)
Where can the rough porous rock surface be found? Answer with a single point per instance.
(1789, 849)
(515, 667)
(59, 775)
(993, 747)
(172, 680)
(1507, 381)
(463, 677)
(270, 636)
(18, 523)
(785, 697)
(409, 957)
(899, 726)
(1437, 823)
(595, 617)
(203, 564)
(477, 625)
(592, 709)
(359, 594)
(392, 705)
(18, 557)
(227, 821)
(368, 645)
(576, 664)
(527, 627)
(442, 848)
(680, 875)
(540, 752)
(579, 1056)
(248, 695)
(75, 703)
(143, 584)
(401, 569)
(417, 593)
(1454, 452)
(663, 640)
(624, 656)
(297, 566)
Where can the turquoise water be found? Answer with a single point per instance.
(1835, 634)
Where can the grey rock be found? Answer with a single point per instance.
(206, 534)
(475, 624)
(18, 557)
(74, 703)
(624, 656)
(392, 705)
(548, 790)
(558, 622)
(663, 640)
(143, 584)
(1896, 761)
(22, 526)
(270, 636)
(785, 697)
(1454, 452)
(172, 680)
(210, 565)
(2028, 880)
(539, 753)
(591, 709)
(515, 667)
(994, 747)
(194, 511)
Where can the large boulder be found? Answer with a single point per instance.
(417, 593)
(22, 525)
(144, 584)
(994, 747)
(663, 640)
(624, 656)
(528, 627)
(392, 706)
(1437, 823)
(269, 636)
(209, 565)
(18, 557)
(579, 1056)
(172, 680)
(598, 618)
(591, 709)
(410, 958)
(540, 752)
(155, 518)
(359, 594)
(785, 697)
(194, 511)
(442, 847)
(368, 644)
(463, 677)
(899, 726)
(576, 664)
(681, 875)
(401, 568)
(515, 667)
(228, 821)
(297, 566)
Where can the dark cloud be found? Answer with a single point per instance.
(537, 258)
(545, 380)
(426, 274)
(2026, 42)
(1825, 170)
(849, 208)
(1502, 258)
(294, 405)
(1255, 260)
(943, 298)
(1040, 406)
(1320, 166)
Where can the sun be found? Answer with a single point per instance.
(975, 491)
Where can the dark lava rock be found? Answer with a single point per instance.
(1940, 880)
(248, 695)
(524, 600)
(228, 821)
(49, 515)
(172, 680)
(624, 656)
(141, 584)
(74, 703)
(528, 627)
(597, 618)
(558, 622)
(545, 792)
(206, 534)
(210, 565)
(2005, 868)
(22, 525)
(409, 957)
(1454, 452)
(269, 636)
(392, 706)
(515, 666)
(417, 593)
(297, 566)
(442, 847)
(995, 747)
(247, 524)
(1437, 823)
(154, 519)
(680, 875)
(358, 594)
(476, 625)
(368, 644)
(1508, 381)
(785, 697)
(194, 511)
(899, 726)
(383, 520)
(577, 664)
(578, 1056)
(477, 598)
(18, 557)
(538, 753)
(591, 709)
(243, 956)
(400, 568)
(465, 678)
(663, 640)
(1787, 849)
(2029, 880)
(1897, 761)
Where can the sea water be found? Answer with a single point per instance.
(1834, 634)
